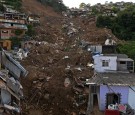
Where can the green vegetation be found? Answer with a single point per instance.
(115, 9)
(123, 26)
(18, 32)
(127, 48)
(1, 8)
(16, 4)
(16, 42)
(30, 31)
(95, 11)
(83, 5)
(58, 5)
(104, 21)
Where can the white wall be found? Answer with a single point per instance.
(131, 97)
(98, 63)
(96, 48)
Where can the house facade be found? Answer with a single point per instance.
(113, 82)
(113, 63)
(110, 92)
(12, 25)
(112, 88)
(131, 97)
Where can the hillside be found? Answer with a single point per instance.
(57, 63)
(35, 7)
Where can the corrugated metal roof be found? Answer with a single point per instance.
(23, 70)
(124, 79)
(4, 86)
(125, 59)
(14, 67)
(118, 55)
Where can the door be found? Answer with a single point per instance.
(112, 98)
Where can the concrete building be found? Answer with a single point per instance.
(113, 63)
(112, 88)
(12, 25)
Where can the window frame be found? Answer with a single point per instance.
(105, 63)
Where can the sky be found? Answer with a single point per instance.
(76, 3)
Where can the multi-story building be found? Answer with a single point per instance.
(12, 25)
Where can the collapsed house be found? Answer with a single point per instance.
(10, 87)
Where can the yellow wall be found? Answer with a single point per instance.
(6, 44)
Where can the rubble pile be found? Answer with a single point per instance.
(49, 67)
(58, 67)
(10, 86)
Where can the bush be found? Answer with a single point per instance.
(31, 31)
(18, 32)
(16, 42)
(128, 48)
(104, 21)
(15, 3)
(1, 8)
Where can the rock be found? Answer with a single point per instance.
(47, 96)
(67, 82)
(73, 113)
(82, 112)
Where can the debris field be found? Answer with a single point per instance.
(58, 65)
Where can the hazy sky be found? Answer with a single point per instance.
(75, 3)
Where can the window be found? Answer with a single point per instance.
(4, 31)
(105, 63)
(122, 62)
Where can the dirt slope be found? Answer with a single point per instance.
(35, 7)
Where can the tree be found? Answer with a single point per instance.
(104, 21)
(30, 31)
(82, 5)
(94, 10)
(115, 9)
(1, 8)
(88, 5)
(123, 26)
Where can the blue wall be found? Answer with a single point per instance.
(123, 90)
